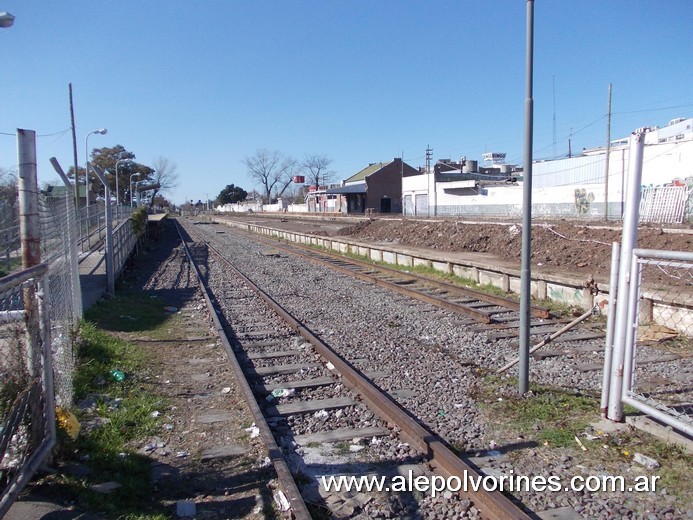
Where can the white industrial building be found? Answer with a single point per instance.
(575, 186)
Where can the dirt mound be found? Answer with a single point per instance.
(585, 249)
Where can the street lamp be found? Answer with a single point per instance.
(131, 199)
(117, 194)
(101, 131)
(6, 19)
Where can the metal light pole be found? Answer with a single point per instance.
(110, 273)
(101, 131)
(116, 186)
(117, 193)
(526, 266)
(138, 193)
(6, 19)
(131, 199)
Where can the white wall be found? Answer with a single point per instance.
(567, 187)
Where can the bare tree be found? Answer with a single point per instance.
(9, 206)
(273, 171)
(166, 175)
(316, 168)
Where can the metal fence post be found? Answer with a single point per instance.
(29, 226)
(628, 240)
(611, 319)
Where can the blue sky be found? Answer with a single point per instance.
(206, 84)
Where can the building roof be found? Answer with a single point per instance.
(59, 191)
(352, 188)
(368, 170)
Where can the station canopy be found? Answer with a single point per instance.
(352, 188)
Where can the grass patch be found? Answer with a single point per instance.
(100, 353)
(552, 417)
(119, 421)
(131, 312)
(342, 448)
(675, 463)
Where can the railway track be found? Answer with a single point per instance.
(432, 360)
(485, 310)
(306, 399)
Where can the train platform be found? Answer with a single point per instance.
(92, 277)
(92, 265)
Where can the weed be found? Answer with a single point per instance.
(548, 416)
(341, 448)
(675, 463)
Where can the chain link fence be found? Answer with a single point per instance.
(663, 320)
(59, 233)
(26, 379)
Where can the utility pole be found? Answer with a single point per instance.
(74, 153)
(431, 183)
(608, 153)
(553, 87)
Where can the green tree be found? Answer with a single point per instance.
(106, 158)
(231, 194)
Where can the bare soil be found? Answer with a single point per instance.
(562, 246)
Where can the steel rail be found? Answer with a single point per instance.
(298, 506)
(478, 315)
(494, 505)
(482, 316)
(538, 312)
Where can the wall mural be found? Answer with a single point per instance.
(583, 200)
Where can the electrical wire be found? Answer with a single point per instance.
(62, 132)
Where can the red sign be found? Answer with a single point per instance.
(299, 179)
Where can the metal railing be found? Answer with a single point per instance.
(124, 242)
(92, 224)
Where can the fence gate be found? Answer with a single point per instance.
(668, 397)
(666, 204)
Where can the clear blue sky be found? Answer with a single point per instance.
(206, 84)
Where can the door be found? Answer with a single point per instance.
(385, 205)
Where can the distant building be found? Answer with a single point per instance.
(569, 187)
(443, 189)
(375, 189)
(62, 191)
